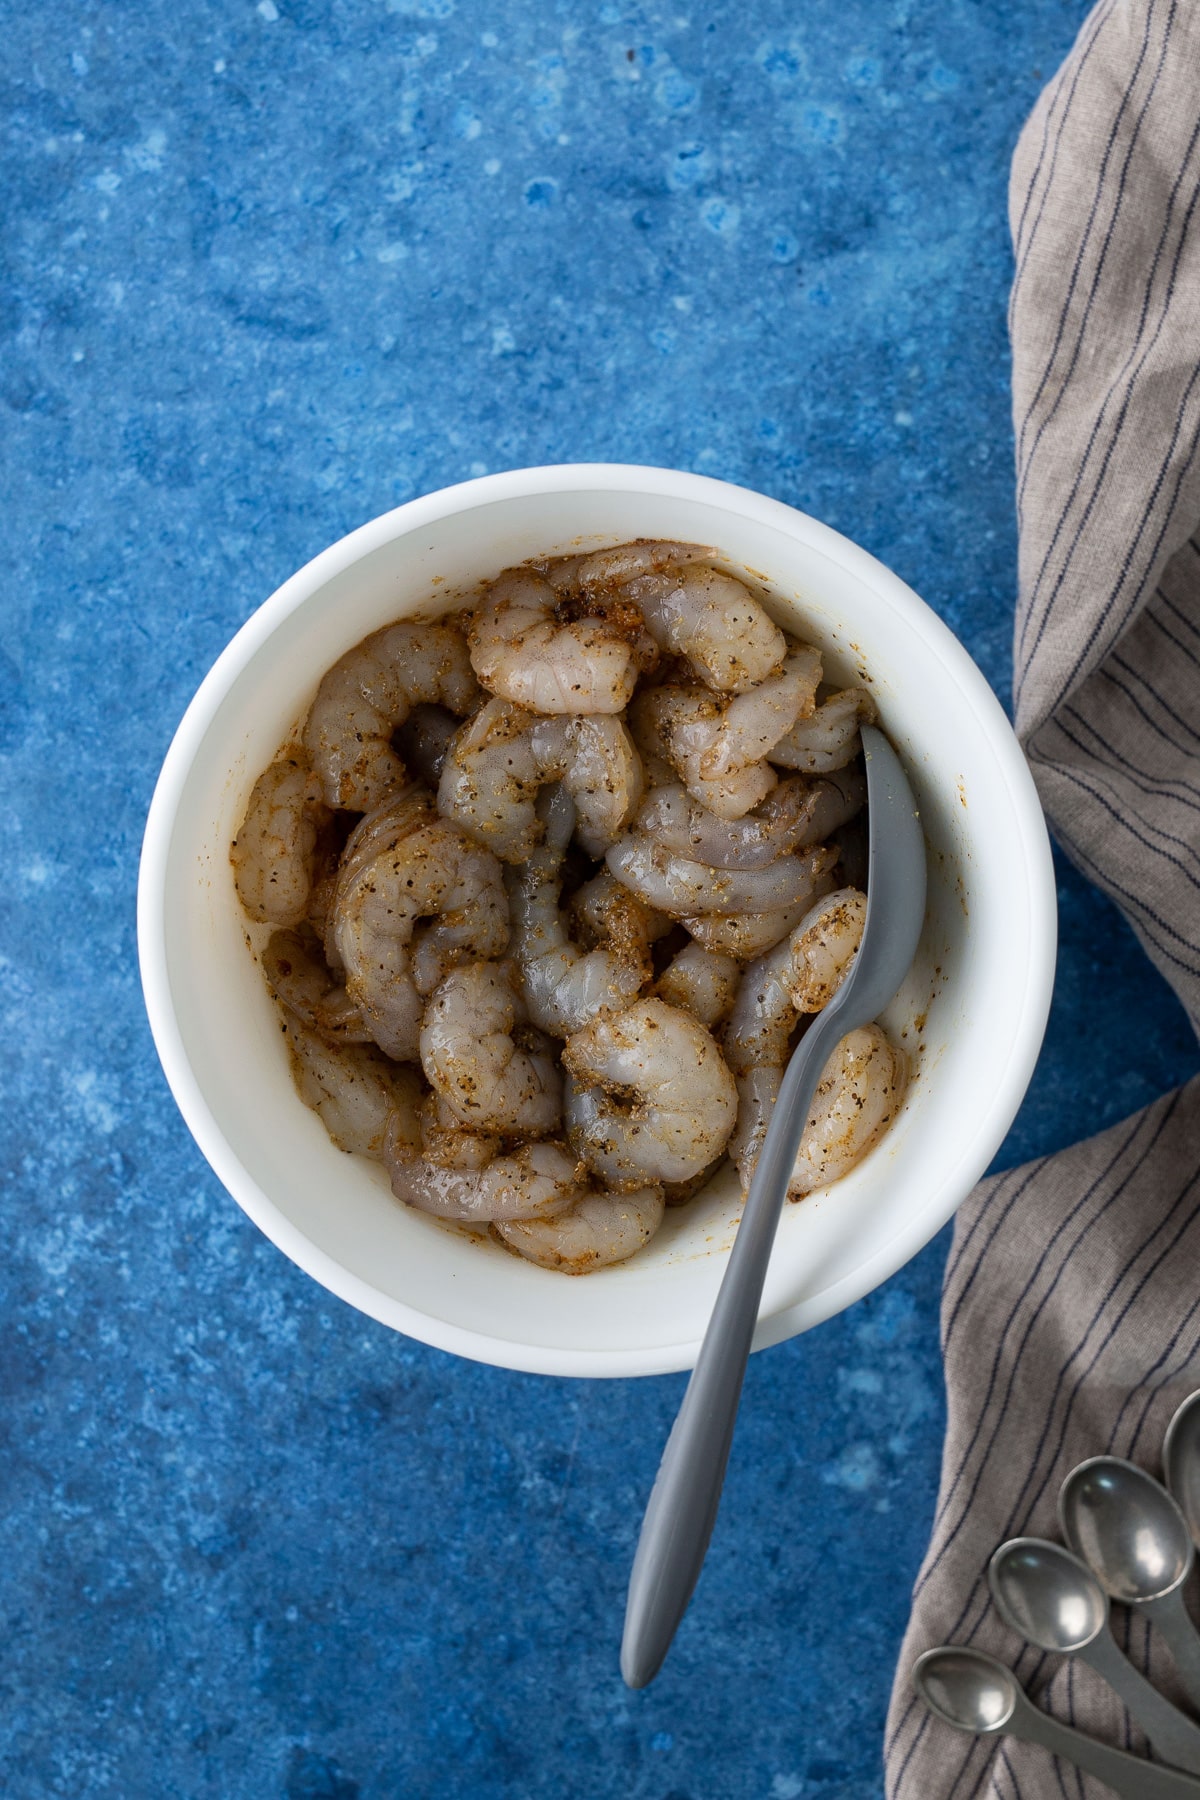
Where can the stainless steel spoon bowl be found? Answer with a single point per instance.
(1181, 1461)
(1051, 1597)
(1131, 1533)
(973, 1692)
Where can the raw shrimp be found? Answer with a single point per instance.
(403, 810)
(695, 610)
(799, 812)
(643, 556)
(469, 1054)
(703, 982)
(367, 695)
(677, 726)
(752, 723)
(356, 1091)
(604, 912)
(531, 1182)
(747, 935)
(563, 985)
(801, 974)
(858, 1097)
(600, 769)
(594, 1232)
(651, 1098)
(446, 1141)
(300, 979)
(523, 649)
(273, 852)
(829, 738)
(823, 947)
(377, 831)
(683, 888)
(431, 873)
(499, 760)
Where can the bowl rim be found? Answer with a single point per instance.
(522, 483)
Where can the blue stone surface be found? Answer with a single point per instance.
(267, 270)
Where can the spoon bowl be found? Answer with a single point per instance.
(1051, 1597)
(966, 1688)
(1047, 1594)
(1181, 1461)
(972, 1692)
(1127, 1528)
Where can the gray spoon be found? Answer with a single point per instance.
(1127, 1527)
(1181, 1461)
(687, 1491)
(1051, 1597)
(973, 1692)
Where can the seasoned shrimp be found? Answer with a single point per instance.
(499, 760)
(801, 811)
(860, 1090)
(683, 888)
(300, 979)
(431, 873)
(858, 1097)
(747, 935)
(678, 726)
(651, 1098)
(698, 612)
(446, 1141)
(274, 850)
(703, 982)
(823, 946)
(829, 738)
(565, 986)
(367, 695)
(523, 649)
(802, 974)
(620, 563)
(752, 723)
(357, 1092)
(402, 811)
(532, 1182)
(604, 912)
(469, 1054)
(592, 1233)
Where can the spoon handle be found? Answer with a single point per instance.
(1174, 1621)
(687, 1490)
(1174, 1737)
(1126, 1775)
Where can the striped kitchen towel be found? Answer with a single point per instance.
(1071, 1310)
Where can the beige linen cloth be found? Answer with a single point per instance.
(1071, 1311)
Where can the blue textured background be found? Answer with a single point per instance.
(266, 271)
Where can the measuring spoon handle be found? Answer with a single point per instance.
(1172, 1618)
(1126, 1775)
(1174, 1737)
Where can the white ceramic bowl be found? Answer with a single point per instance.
(971, 1014)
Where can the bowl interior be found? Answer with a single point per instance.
(970, 1014)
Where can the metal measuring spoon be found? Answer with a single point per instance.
(1051, 1597)
(1181, 1461)
(1127, 1527)
(687, 1490)
(973, 1692)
